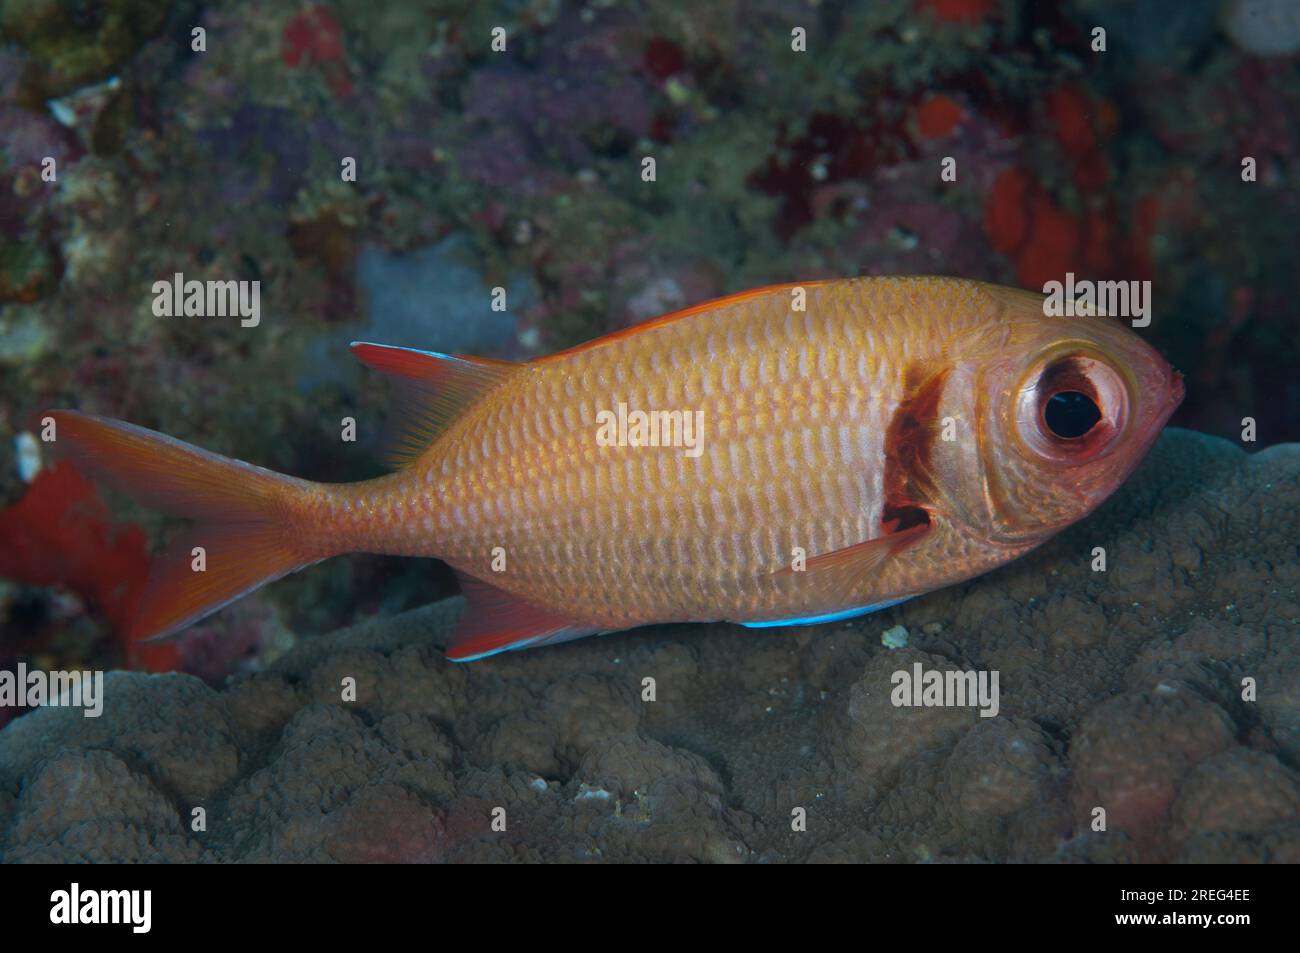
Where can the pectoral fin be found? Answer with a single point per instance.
(829, 582)
(861, 559)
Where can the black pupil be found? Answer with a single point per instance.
(1070, 414)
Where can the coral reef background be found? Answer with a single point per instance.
(211, 138)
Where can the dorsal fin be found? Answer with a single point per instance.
(649, 325)
(433, 389)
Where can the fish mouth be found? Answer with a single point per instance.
(1177, 390)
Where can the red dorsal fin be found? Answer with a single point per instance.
(496, 621)
(717, 304)
(433, 390)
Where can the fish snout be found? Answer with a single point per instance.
(1177, 391)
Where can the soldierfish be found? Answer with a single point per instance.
(854, 443)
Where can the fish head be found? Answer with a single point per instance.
(1064, 410)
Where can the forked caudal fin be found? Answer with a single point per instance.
(242, 538)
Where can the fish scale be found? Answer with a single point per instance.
(820, 436)
(771, 442)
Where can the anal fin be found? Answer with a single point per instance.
(496, 621)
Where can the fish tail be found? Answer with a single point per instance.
(247, 532)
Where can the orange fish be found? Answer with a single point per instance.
(784, 456)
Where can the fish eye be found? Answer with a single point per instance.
(1073, 406)
(1070, 414)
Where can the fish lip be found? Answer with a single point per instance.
(1177, 390)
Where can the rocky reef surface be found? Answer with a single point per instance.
(1162, 695)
